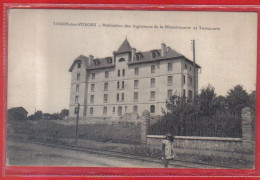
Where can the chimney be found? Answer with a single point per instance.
(168, 48)
(114, 57)
(163, 51)
(133, 54)
(91, 59)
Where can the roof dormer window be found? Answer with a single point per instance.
(154, 54)
(96, 62)
(138, 56)
(109, 60)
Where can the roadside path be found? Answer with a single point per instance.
(42, 154)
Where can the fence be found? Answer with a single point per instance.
(219, 125)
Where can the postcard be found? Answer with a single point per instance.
(132, 89)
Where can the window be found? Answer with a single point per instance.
(190, 81)
(123, 72)
(152, 97)
(105, 97)
(106, 74)
(118, 73)
(184, 79)
(184, 93)
(109, 60)
(136, 70)
(153, 82)
(186, 66)
(152, 109)
(118, 84)
(76, 99)
(136, 82)
(96, 62)
(190, 69)
(138, 57)
(125, 108)
(154, 54)
(114, 109)
(119, 111)
(105, 111)
(169, 66)
(169, 93)
(92, 99)
(135, 109)
(117, 97)
(135, 96)
(122, 97)
(170, 81)
(91, 110)
(79, 65)
(105, 86)
(153, 69)
(123, 84)
(92, 87)
(93, 75)
(121, 60)
(190, 94)
(78, 76)
(77, 88)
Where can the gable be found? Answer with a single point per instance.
(82, 59)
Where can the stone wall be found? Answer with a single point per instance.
(200, 143)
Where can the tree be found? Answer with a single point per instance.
(31, 117)
(252, 101)
(64, 112)
(54, 116)
(38, 115)
(177, 105)
(237, 99)
(179, 110)
(220, 104)
(46, 116)
(207, 101)
(206, 115)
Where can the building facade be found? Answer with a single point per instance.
(130, 81)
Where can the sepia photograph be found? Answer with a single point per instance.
(132, 89)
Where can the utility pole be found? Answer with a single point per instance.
(77, 122)
(194, 69)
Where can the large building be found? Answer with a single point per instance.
(130, 81)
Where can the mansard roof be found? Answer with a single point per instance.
(125, 47)
(147, 57)
(103, 63)
(170, 54)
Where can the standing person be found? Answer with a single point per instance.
(168, 152)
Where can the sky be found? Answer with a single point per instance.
(40, 52)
